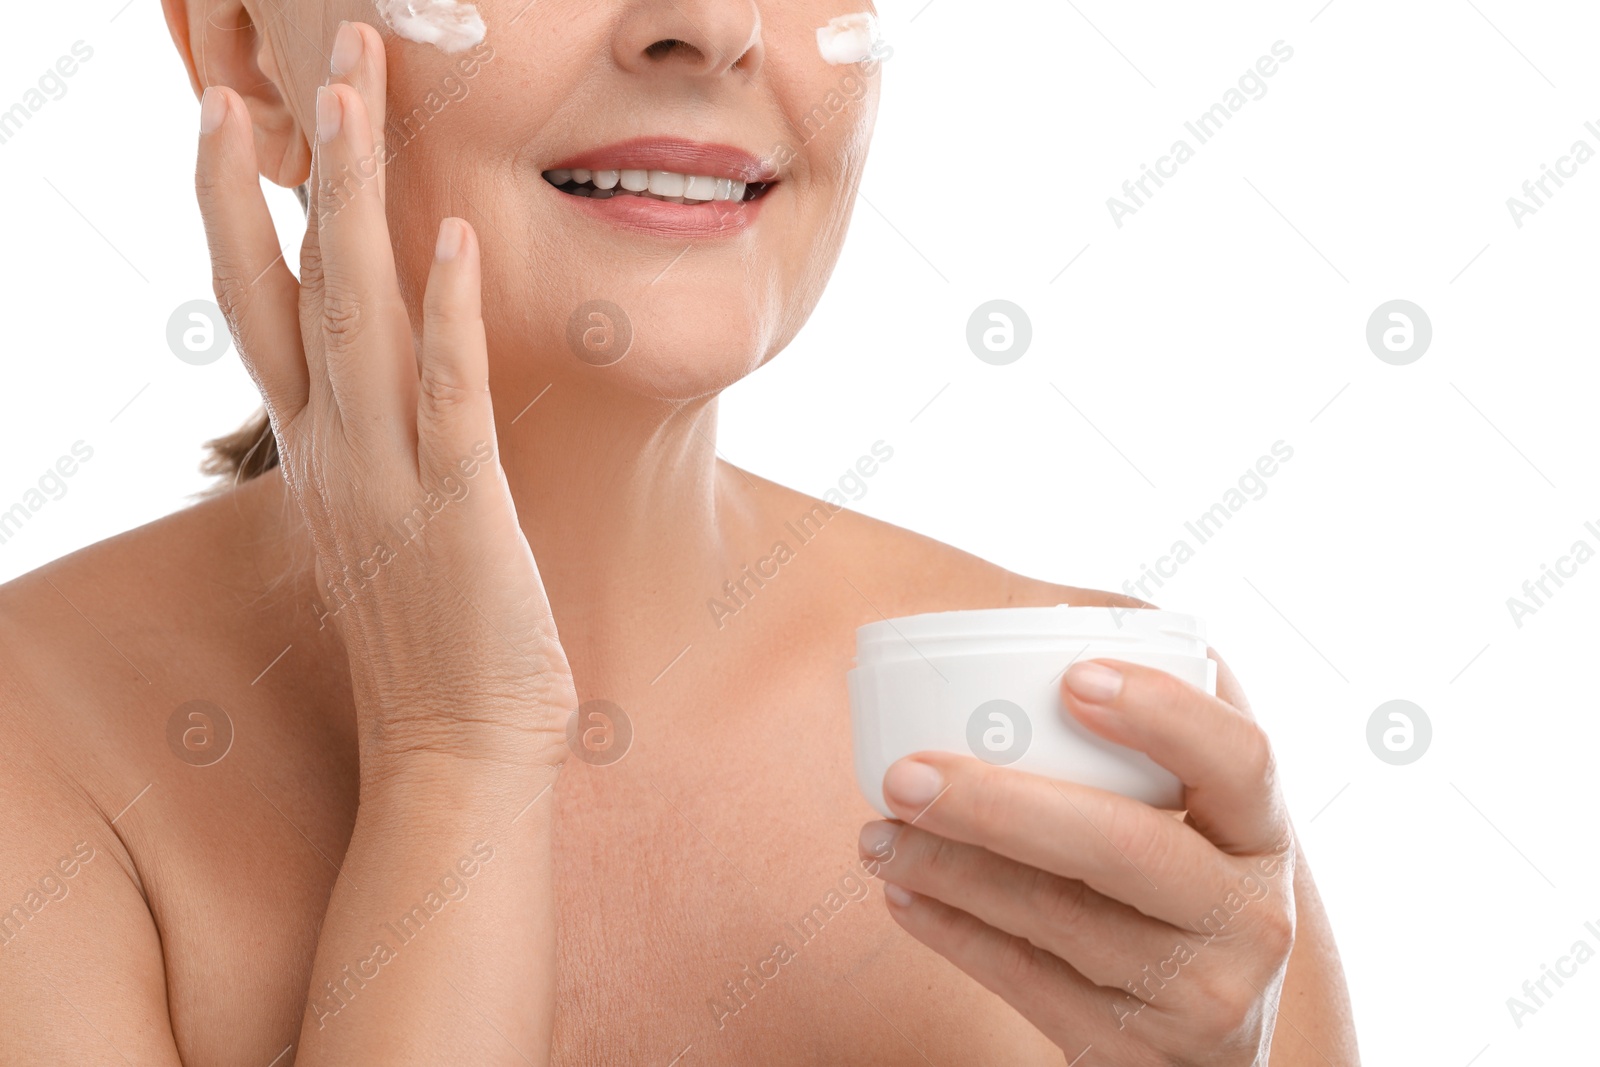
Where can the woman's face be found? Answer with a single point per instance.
(721, 89)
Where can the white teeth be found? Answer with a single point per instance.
(661, 184)
(666, 183)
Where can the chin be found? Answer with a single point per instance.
(675, 342)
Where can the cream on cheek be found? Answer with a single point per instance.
(449, 25)
(849, 39)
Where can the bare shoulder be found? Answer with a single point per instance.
(75, 922)
(70, 887)
(91, 638)
(102, 653)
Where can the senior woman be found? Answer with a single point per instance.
(608, 210)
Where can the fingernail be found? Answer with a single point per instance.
(877, 840)
(213, 109)
(330, 114)
(1094, 682)
(912, 783)
(451, 236)
(346, 50)
(900, 898)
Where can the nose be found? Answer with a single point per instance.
(700, 38)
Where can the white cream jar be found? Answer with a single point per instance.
(988, 684)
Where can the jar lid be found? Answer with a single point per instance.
(1007, 629)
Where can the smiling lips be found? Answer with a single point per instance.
(667, 187)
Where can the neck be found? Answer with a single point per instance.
(618, 496)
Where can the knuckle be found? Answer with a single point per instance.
(1017, 964)
(210, 187)
(441, 387)
(310, 258)
(1230, 1003)
(1136, 835)
(1166, 689)
(935, 857)
(1278, 860)
(1061, 901)
(343, 320)
(1277, 931)
(1255, 755)
(338, 190)
(440, 309)
(993, 803)
(233, 294)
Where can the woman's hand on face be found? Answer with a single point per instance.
(1105, 922)
(387, 444)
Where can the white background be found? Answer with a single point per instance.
(1227, 314)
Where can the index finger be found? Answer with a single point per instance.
(360, 61)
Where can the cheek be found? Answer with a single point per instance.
(828, 177)
(829, 167)
(831, 117)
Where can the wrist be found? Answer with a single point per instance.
(492, 734)
(425, 787)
